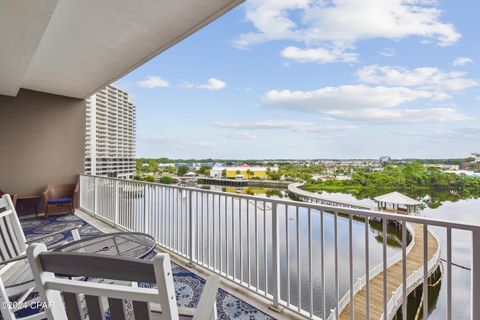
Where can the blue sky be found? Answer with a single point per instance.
(316, 79)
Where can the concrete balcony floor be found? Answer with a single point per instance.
(233, 302)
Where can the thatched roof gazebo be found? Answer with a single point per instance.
(396, 201)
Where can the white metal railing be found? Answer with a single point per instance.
(283, 250)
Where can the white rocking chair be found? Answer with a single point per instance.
(16, 277)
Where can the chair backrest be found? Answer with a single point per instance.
(60, 190)
(62, 295)
(12, 238)
(12, 196)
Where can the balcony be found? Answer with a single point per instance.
(287, 258)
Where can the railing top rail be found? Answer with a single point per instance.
(320, 207)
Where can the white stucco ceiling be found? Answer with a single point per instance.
(73, 48)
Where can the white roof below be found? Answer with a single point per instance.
(397, 198)
(74, 48)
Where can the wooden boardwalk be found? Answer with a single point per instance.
(394, 279)
(313, 197)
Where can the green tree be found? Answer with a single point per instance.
(182, 170)
(152, 166)
(166, 180)
(204, 170)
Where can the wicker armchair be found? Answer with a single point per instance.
(60, 198)
(13, 196)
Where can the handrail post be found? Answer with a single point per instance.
(95, 196)
(145, 208)
(190, 230)
(117, 204)
(275, 259)
(475, 274)
(80, 192)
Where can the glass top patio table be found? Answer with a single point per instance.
(125, 244)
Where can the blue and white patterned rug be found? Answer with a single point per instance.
(188, 285)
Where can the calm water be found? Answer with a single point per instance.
(440, 205)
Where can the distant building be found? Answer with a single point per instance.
(163, 166)
(385, 159)
(216, 172)
(110, 134)
(477, 156)
(249, 172)
(450, 167)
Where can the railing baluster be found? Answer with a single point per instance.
(249, 275)
(310, 265)
(265, 260)
(275, 258)
(227, 255)
(322, 253)
(257, 271)
(425, 272)
(404, 270)
(190, 227)
(337, 293)
(299, 273)
(287, 253)
(385, 288)
(233, 241)
(350, 258)
(208, 234)
(475, 274)
(367, 270)
(95, 196)
(449, 273)
(145, 208)
(117, 204)
(213, 234)
(198, 222)
(220, 232)
(240, 236)
(203, 230)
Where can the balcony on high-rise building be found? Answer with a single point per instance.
(277, 258)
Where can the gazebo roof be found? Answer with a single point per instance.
(397, 198)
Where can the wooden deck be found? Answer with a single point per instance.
(394, 279)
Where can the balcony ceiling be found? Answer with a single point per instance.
(73, 48)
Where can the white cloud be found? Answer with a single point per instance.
(212, 85)
(364, 103)
(461, 61)
(298, 126)
(346, 97)
(321, 55)
(153, 82)
(342, 23)
(387, 52)
(424, 78)
(241, 136)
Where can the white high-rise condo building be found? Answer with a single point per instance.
(110, 134)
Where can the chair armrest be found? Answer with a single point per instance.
(51, 234)
(17, 258)
(206, 308)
